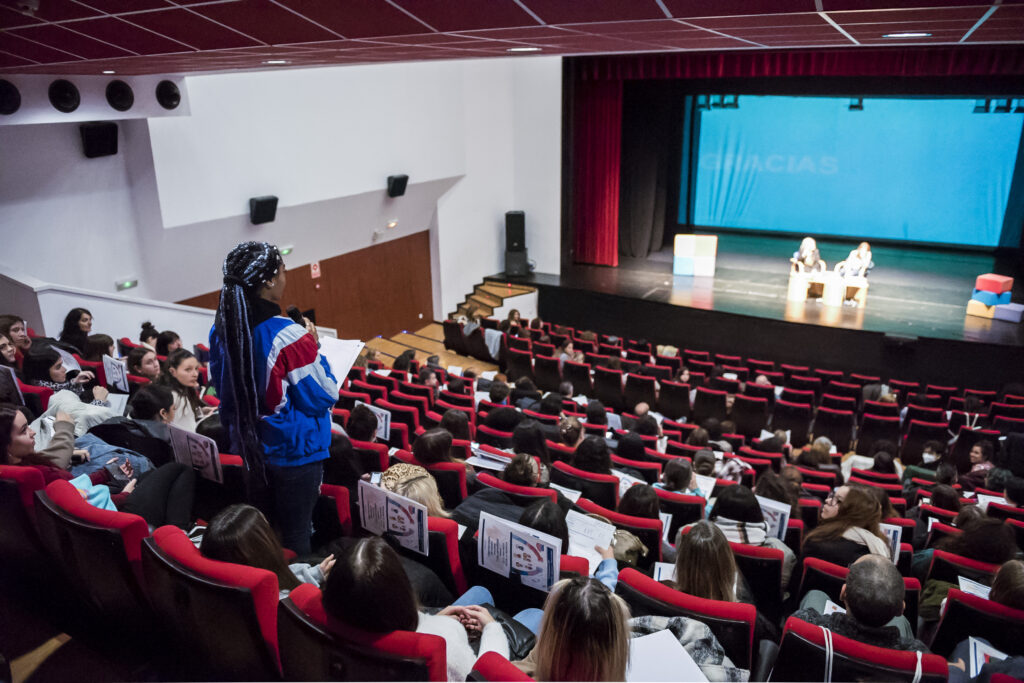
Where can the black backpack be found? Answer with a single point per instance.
(142, 436)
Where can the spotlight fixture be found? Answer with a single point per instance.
(856, 104)
(276, 62)
(109, 71)
(908, 34)
(981, 106)
(523, 49)
(1003, 106)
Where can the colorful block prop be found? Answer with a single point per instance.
(980, 310)
(990, 298)
(695, 255)
(1009, 312)
(997, 284)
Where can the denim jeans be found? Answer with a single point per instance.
(294, 492)
(478, 595)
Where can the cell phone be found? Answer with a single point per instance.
(375, 478)
(77, 459)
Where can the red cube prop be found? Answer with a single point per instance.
(990, 282)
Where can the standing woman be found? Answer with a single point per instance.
(275, 388)
(77, 326)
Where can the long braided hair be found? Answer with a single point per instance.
(247, 268)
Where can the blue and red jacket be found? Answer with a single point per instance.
(297, 390)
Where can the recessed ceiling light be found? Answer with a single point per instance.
(109, 71)
(523, 49)
(907, 34)
(276, 61)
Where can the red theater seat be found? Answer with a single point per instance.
(603, 489)
(493, 667)
(968, 615)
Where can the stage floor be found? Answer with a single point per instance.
(913, 291)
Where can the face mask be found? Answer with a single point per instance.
(929, 458)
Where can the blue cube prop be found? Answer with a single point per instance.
(991, 298)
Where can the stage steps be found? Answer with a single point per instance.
(426, 341)
(488, 296)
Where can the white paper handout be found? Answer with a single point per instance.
(118, 403)
(488, 460)
(116, 372)
(981, 654)
(585, 533)
(973, 587)
(776, 514)
(197, 451)
(664, 571)
(489, 375)
(67, 359)
(984, 500)
(666, 524)
(341, 355)
(626, 481)
(572, 494)
(831, 607)
(381, 511)
(511, 549)
(383, 420)
(893, 534)
(705, 484)
(660, 657)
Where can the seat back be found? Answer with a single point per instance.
(371, 456)
(803, 653)
(762, 568)
(99, 551)
(968, 615)
(546, 373)
(795, 417)
(608, 387)
(602, 489)
(708, 403)
(519, 364)
(683, 508)
(493, 437)
(948, 566)
(750, 415)
(649, 531)
(442, 556)
(731, 622)
(316, 648)
(877, 427)
(493, 667)
(454, 340)
(579, 375)
(837, 425)
(524, 496)
(222, 616)
(639, 389)
(19, 538)
(674, 400)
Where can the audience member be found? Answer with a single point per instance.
(570, 432)
(738, 514)
(456, 423)
(705, 566)
(44, 367)
(873, 597)
(167, 342)
(981, 463)
(677, 476)
(148, 336)
(1013, 492)
(362, 424)
(639, 500)
(77, 326)
(97, 346)
(433, 446)
(848, 528)
(592, 455)
(142, 362)
(182, 378)
(522, 470)
(14, 328)
(415, 483)
(528, 437)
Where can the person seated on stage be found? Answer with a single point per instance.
(858, 263)
(808, 258)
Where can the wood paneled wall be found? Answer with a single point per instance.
(382, 289)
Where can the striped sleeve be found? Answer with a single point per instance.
(295, 362)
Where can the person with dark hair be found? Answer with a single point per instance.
(632, 447)
(456, 423)
(592, 455)
(182, 377)
(551, 404)
(570, 432)
(704, 463)
(738, 514)
(546, 517)
(456, 384)
(498, 393)
(153, 402)
(1013, 492)
(404, 360)
(932, 454)
(525, 394)
(433, 446)
(76, 329)
(167, 342)
(240, 534)
(428, 378)
(160, 496)
(528, 437)
(596, 414)
(946, 473)
(677, 476)
(997, 478)
(367, 589)
(362, 424)
(848, 528)
(44, 367)
(97, 346)
(14, 328)
(884, 455)
(639, 500)
(647, 425)
(945, 498)
(276, 391)
(776, 487)
(143, 362)
(981, 462)
(148, 336)
(874, 599)
(698, 437)
(522, 470)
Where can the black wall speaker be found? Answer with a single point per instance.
(10, 98)
(262, 209)
(120, 95)
(515, 231)
(168, 95)
(99, 139)
(516, 263)
(64, 96)
(396, 185)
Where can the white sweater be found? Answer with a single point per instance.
(460, 655)
(184, 415)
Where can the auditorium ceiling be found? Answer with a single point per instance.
(193, 36)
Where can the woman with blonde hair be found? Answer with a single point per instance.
(416, 483)
(584, 635)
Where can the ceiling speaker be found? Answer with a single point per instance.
(396, 185)
(64, 96)
(10, 98)
(99, 139)
(120, 95)
(168, 95)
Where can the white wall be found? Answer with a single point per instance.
(476, 137)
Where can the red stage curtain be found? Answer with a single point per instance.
(900, 62)
(596, 157)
